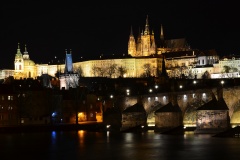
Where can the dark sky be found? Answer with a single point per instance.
(91, 29)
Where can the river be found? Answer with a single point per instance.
(72, 145)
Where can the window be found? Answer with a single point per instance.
(10, 98)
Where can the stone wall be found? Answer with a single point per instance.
(188, 101)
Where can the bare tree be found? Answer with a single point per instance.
(94, 70)
(80, 71)
(111, 70)
(206, 75)
(121, 71)
(101, 71)
(147, 69)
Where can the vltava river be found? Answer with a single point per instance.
(76, 145)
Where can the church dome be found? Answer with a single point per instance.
(28, 62)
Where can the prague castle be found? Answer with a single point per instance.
(145, 58)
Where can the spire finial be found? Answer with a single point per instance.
(161, 35)
(131, 31)
(146, 31)
(25, 48)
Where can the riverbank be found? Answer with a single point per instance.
(93, 126)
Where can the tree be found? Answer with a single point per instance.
(80, 71)
(206, 75)
(101, 71)
(147, 69)
(94, 70)
(121, 71)
(226, 69)
(57, 74)
(226, 72)
(111, 70)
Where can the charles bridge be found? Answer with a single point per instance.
(189, 95)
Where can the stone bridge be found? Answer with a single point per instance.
(188, 101)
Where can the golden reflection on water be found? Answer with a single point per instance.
(81, 135)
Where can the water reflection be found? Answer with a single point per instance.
(107, 145)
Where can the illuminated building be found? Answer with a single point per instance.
(144, 58)
(68, 78)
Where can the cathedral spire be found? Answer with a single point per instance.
(131, 31)
(146, 31)
(131, 44)
(162, 38)
(161, 34)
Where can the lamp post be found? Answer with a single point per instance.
(222, 82)
(194, 83)
(128, 92)
(180, 86)
(156, 88)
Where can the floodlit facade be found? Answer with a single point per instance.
(145, 58)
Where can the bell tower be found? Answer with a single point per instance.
(18, 62)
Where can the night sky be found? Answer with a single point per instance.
(90, 29)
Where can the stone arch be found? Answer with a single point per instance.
(151, 112)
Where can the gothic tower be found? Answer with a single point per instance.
(131, 44)
(153, 48)
(146, 40)
(139, 45)
(145, 45)
(161, 45)
(68, 79)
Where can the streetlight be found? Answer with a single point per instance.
(128, 92)
(222, 82)
(150, 90)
